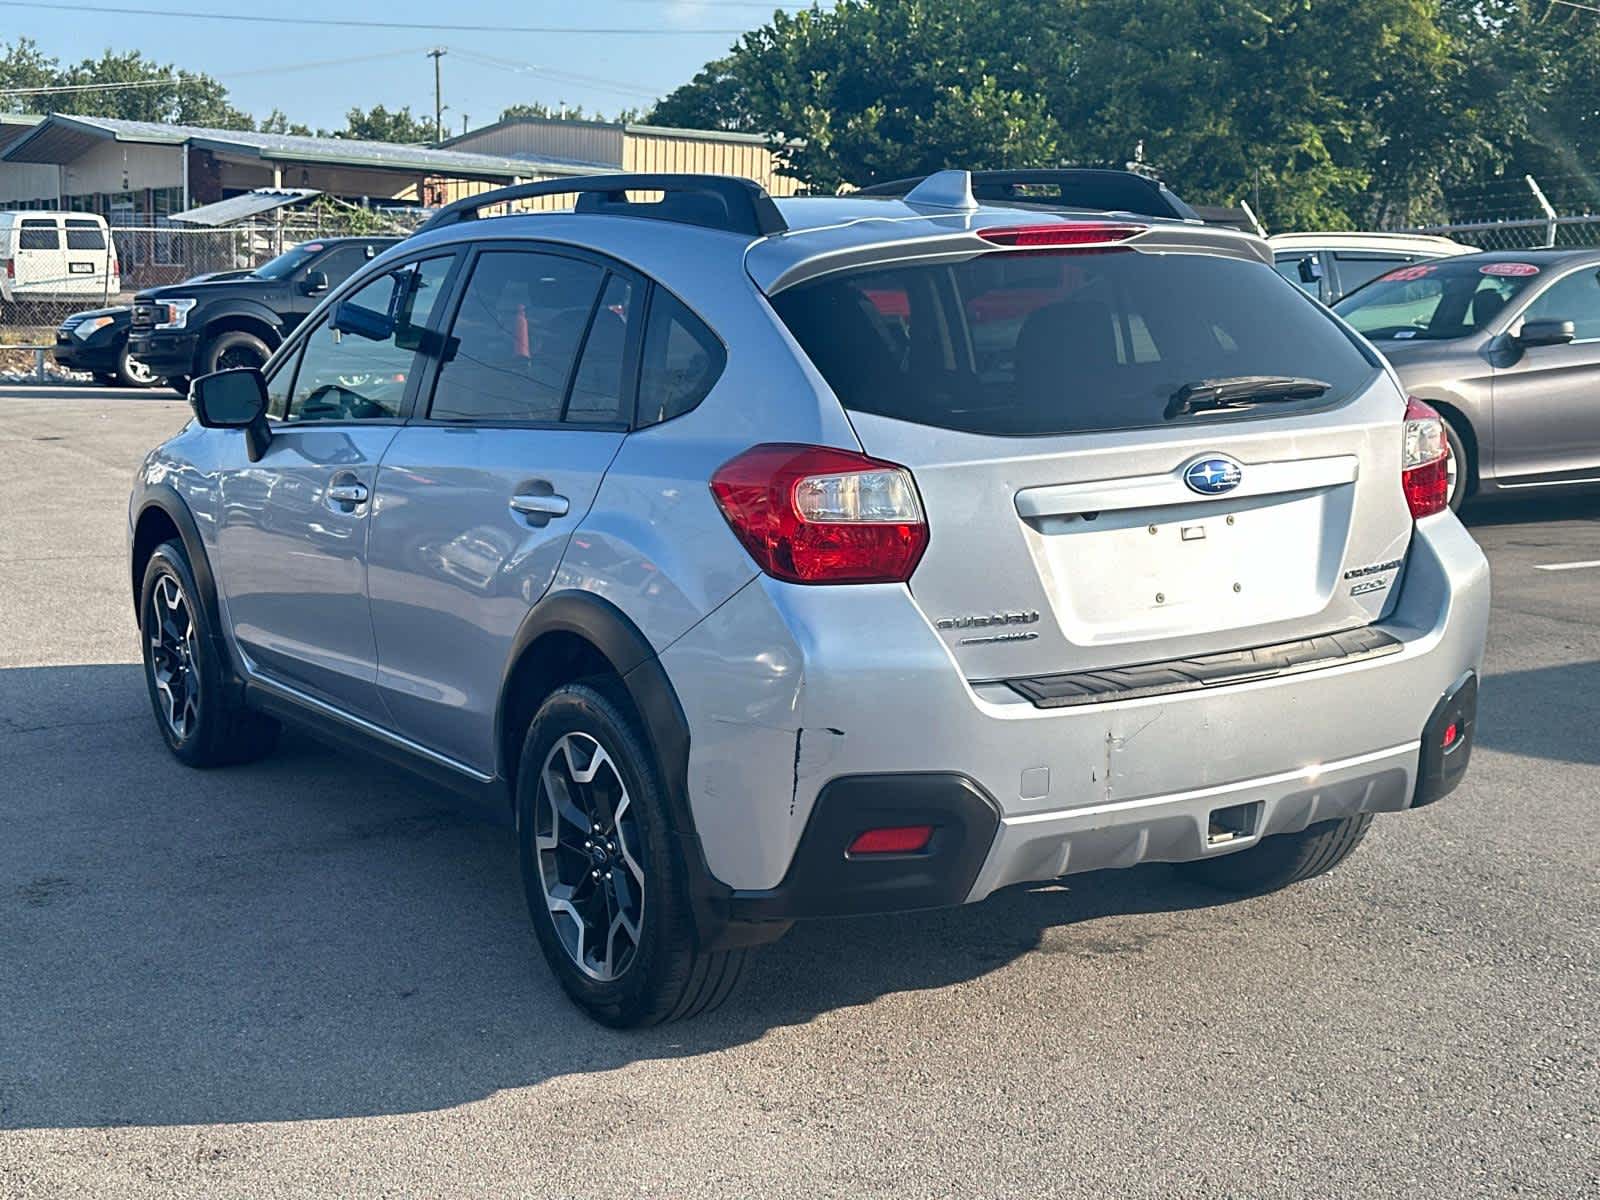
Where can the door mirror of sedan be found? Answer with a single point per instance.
(235, 399)
(1546, 333)
(1310, 270)
(315, 282)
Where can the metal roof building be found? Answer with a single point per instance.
(133, 171)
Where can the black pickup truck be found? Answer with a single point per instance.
(193, 328)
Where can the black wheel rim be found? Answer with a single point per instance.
(238, 356)
(587, 842)
(174, 664)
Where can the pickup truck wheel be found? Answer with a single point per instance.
(202, 724)
(236, 348)
(133, 373)
(606, 889)
(1276, 862)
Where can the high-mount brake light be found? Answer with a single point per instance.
(815, 514)
(1074, 233)
(1424, 460)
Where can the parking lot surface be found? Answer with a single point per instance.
(316, 975)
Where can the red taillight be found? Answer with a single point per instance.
(1076, 233)
(897, 839)
(1451, 732)
(813, 514)
(1424, 460)
(11, 269)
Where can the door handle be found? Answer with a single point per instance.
(348, 493)
(540, 506)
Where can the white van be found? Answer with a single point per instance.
(57, 257)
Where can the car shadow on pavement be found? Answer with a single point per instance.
(1543, 712)
(319, 935)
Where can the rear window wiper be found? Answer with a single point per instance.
(1241, 391)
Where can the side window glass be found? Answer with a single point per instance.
(39, 235)
(516, 336)
(359, 371)
(279, 382)
(1575, 298)
(338, 265)
(1356, 270)
(600, 391)
(1303, 270)
(682, 360)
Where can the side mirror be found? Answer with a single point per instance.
(235, 399)
(363, 322)
(1310, 270)
(315, 281)
(1551, 332)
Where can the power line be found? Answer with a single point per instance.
(260, 19)
(182, 77)
(572, 77)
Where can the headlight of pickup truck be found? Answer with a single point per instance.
(171, 314)
(86, 328)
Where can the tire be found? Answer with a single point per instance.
(105, 380)
(235, 348)
(654, 972)
(132, 373)
(199, 720)
(1463, 466)
(1276, 862)
(179, 384)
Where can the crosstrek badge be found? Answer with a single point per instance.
(1513, 269)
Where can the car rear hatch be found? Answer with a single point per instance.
(1093, 503)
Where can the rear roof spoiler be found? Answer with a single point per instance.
(711, 201)
(1094, 189)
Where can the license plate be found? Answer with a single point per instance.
(81, 268)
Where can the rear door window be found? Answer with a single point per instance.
(39, 235)
(1038, 343)
(516, 337)
(85, 235)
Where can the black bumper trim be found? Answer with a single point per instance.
(824, 882)
(1211, 670)
(1441, 769)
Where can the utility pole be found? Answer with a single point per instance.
(464, 120)
(436, 54)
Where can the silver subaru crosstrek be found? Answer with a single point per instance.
(776, 560)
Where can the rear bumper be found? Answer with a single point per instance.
(169, 355)
(788, 689)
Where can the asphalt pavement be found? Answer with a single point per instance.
(315, 975)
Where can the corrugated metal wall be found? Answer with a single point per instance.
(580, 141)
(646, 151)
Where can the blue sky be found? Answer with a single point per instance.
(485, 71)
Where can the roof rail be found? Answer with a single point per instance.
(1100, 189)
(712, 201)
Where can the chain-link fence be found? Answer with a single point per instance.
(1522, 235)
(40, 289)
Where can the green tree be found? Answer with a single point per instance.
(379, 124)
(156, 92)
(278, 122)
(1333, 112)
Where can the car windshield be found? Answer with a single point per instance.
(287, 263)
(1436, 301)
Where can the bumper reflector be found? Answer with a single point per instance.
(895, 839)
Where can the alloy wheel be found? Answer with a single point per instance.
(587, 841)
(174, 658)
(137, 371)
(1452, 472)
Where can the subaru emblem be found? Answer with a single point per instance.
(1213, 476)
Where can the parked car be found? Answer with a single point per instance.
(721, 544)
(56, 258)
(1097, 189)
(1506, 346)
(1330, 266)
(232, 320)
(97, 342)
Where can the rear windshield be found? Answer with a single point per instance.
(39, 235)
(84, 235)
(1436, 301)
(1032, 343)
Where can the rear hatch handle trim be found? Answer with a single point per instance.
(1152, 491)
